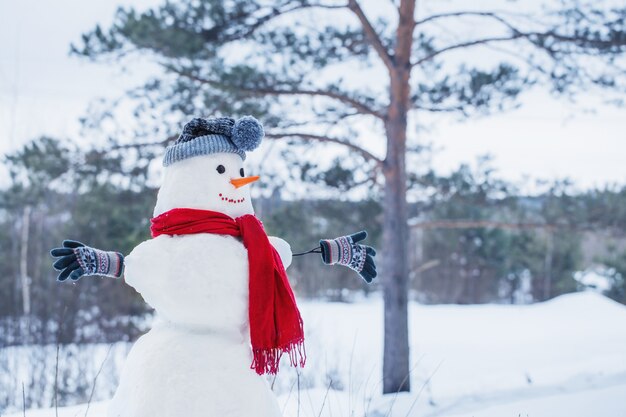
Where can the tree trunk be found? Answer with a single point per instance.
(396, 376)
(547, 279)
(395, 241)
(395, 283)
(24, 261)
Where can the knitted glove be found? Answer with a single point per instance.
(77, 260)
(345, 250)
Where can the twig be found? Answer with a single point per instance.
(56, 380)
(321, 138)
(362, 108)
(466, 44)
(23, 400)
(93, 387)
(365, 399)
(56, 364)
(308, 394)
(298, 373)
(350, 373)
(161, 143)
(288, 397)
(395, 397)
(422, 389)
(325, 396)
(492, 15)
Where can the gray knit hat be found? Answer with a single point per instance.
(207, 136)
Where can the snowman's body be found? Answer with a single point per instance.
(196, 359)
(195, 362)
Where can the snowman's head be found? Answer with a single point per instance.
(204, 168)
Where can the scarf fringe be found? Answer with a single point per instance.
(266, 361)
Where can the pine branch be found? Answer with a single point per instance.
(321, 138)
(576, 40)
(434, 109)
(372, 36)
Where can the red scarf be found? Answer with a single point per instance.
(275, 322)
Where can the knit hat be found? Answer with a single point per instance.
(216, 135)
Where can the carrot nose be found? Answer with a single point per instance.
(240, 182)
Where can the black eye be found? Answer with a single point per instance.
(241, 172)
(221, 169)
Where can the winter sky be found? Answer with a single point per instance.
(44, 91)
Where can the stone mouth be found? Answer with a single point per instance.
(231, 200)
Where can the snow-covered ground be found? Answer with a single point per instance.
(565, 357)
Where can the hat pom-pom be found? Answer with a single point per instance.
(247, 133)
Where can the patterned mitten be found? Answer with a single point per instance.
(77, 260)
(346, 251)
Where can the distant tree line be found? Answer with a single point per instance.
(475, 240)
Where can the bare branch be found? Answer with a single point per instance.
(362, 108)
(276, 12)
(161, 143)
(498, 15)
(461, 14)
(534, 37)
(520, 57)
(468, 44)
(93, 387)
(515, 32)
(371, 35)
(433, 263)
(356, 104)
(473, 224)
(320, 138)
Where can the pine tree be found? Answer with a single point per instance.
(345, 65)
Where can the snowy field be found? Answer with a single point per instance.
(562, 358)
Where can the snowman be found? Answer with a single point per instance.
(225, 312)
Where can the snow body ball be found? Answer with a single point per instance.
(195, 361)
